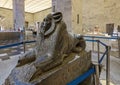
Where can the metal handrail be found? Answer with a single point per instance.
(15, 44)
(86, 74)
(92, 70)
(102, 37)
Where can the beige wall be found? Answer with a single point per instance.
(8, 21)
(76, 27)
(8, 14)
(29, 17)
(100, 12)
(91, 13)
(77, 11)
(39, 16)
(112, 11)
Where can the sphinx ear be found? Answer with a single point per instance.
(57, 16)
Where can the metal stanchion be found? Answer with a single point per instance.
(108, 66)
(92, 44)
(24, 39)
(98, 46)
(119, 46)
(97, 81)
(24, 45)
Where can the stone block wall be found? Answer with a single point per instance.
(77, 16)
(31, 18)
(93, 14)
(39, 16)
(8, 21)
(90, 12)
(8, 14)
(100, 12)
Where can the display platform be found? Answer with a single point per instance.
(9, 35)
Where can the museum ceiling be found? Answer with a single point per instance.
(31, 6)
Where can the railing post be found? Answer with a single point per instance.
(24, 45)
(98, 46)
(108, 66)
(97, 81)
(119, 46)
(93, 44)
(24, 39)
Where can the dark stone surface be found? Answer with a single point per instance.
(55, 60)
(69, 71)
(72, 67)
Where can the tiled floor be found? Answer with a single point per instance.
(16, 50)
(114, 69)
(5, 42)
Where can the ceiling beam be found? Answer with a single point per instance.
(30, 5)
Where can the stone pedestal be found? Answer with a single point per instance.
(71, 68)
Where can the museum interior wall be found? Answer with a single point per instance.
(77, 16)
(112, 11)
(72, 13)
(100, 13)
(38, 16)
(86, 14)
(31, 18)
(93, 14)
(7, 23)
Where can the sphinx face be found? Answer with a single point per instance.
(46, 24)
(48, 34)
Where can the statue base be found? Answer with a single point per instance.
(71, 68)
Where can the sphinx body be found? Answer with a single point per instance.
(54, 44)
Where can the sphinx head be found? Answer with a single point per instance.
(49, 23)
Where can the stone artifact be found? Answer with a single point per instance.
(55, 49)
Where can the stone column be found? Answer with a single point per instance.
(18, 14)
(65, 7)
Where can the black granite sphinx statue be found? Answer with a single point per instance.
(54, 45)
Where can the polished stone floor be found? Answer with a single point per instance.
(5, 62)
(114, 69)
(11, 51)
